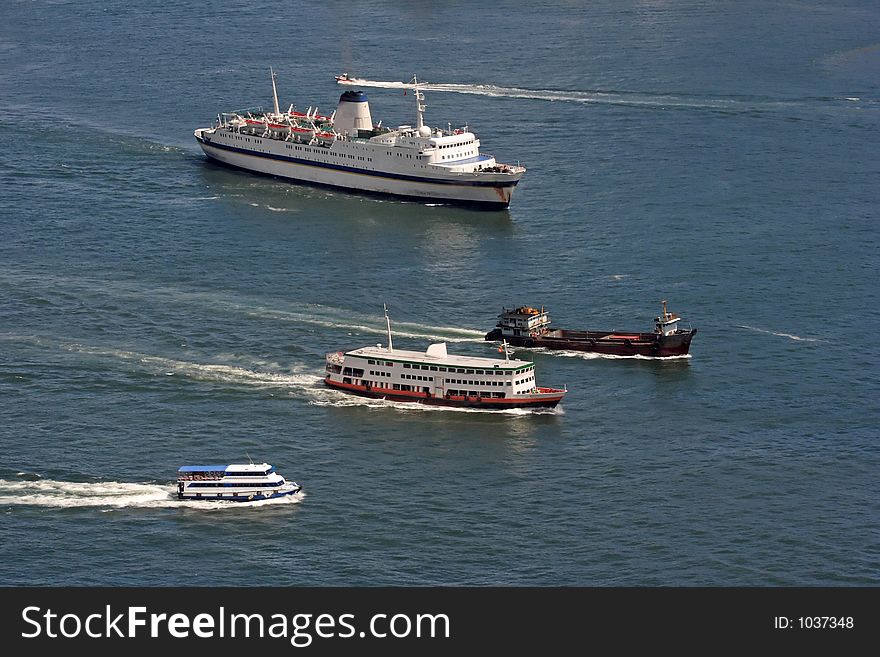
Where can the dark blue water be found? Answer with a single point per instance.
(157, 310)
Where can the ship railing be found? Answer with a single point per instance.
(545, 390)
(336, 357)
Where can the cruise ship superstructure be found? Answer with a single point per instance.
(346, 149)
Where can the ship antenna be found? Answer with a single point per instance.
(249, 458)
(388, 323)
(274, 91)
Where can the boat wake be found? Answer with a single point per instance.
(327, 318)
(587, 355)
(790, 336)
(210, 372)
(596, 96)
(108, 495)
(55, 289)
(300, 378)
(338, 399)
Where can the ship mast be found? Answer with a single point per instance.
(274, 91)
(388, 324)
(420, 108)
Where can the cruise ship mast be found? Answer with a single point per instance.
(274, 90)
(420, 108)
(388, 323)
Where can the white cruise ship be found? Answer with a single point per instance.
(436, 377)
(345, 149)
(241, 482)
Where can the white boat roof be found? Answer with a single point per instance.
(428, 358)
(237, 467)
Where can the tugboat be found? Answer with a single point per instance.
(529, 327)
(236, 483)
(437, 378)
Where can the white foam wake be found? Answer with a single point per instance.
(300, 378)
(555, 95)
(51, 285)
(112, 494)
(589, 355)
(339, 399)
(790, 336)
(359, 325)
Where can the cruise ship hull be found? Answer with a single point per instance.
(538, 400)
(483, 192)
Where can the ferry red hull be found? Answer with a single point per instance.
(606, 342)
(547, 400)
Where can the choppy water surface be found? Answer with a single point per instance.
(157, 310)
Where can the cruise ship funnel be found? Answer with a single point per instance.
(353, 113)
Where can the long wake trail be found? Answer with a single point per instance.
(595, 96)
(112, 495)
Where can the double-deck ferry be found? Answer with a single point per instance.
(529, 327)
(236, 482)
(346, 149)
(438, 378)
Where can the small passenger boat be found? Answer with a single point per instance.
(237, 482)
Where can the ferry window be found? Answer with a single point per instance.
(390, 364)
(442, 369)
(371, 362)
(499, 372)
(460, 371)
(424, 367)
(470, 371)
(406, 366)
(433, 369)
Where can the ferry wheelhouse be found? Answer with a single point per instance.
(237, 482)
(435, 377)
(346, 149)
